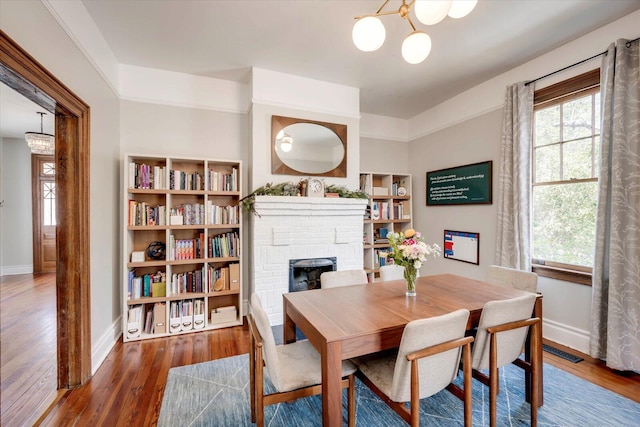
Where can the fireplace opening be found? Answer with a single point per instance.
(304, 274)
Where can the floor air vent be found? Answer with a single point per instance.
(560, 353)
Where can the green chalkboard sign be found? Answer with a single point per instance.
(462, 185)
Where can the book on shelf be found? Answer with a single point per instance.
(146, 285)
(148, 324)
(144, 176)
(180, 180)
(220, 181)
(224, 245)
(384, 210)
(222, 214)
(365, 184)
(181, 249)
(406, 212)
(189, 281)
(222, 279)
(132, 275)
(141, 213)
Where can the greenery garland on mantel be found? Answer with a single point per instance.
(247, 203)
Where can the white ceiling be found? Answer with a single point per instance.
(19, 115)
(312, 38)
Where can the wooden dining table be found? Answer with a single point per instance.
(351, 321)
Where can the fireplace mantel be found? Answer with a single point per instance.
(305, 206)
(287, 227)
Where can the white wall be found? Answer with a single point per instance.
(51, 46)
(383, 156)
(188, 132)
(16, 226)
(473, 141)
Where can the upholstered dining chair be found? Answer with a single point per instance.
(512, 278)
(499, 340)
(426, 362)
(294, 369)
(333, 279)
(391, 272)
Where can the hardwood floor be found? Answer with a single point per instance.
(128, 387)
(28, 347)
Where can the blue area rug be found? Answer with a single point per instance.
(216, 393)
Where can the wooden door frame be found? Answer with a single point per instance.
(23, 73)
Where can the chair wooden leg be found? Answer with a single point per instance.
(466, 370)
(351, 400)
(252, 377)
(535, 374)
(259, 386)
(415, 395)
(493, 379)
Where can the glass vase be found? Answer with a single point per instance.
(410, 274)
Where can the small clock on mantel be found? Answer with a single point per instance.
(315, 187)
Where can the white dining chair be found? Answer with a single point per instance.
(499, 340)
(333, 279)
(512, 278)
(426, 362)
(294, 369)
(391, 272)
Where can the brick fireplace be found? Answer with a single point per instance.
(291, 228)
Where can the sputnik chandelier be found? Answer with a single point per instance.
(369, 33)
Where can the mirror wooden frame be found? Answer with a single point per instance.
(278, 167)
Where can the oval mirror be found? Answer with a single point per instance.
(308, 147)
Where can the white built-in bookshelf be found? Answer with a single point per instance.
(191, 208)
(389, 210)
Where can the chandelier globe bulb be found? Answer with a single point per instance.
(368, 33)
(416, 47)
(430, 12)
(461, 8)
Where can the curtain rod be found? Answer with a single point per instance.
(577, 63)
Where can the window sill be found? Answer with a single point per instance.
(580, 277)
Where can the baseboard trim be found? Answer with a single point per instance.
(107, 341)
(566, 335)
(14, 270)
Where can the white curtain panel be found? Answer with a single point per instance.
(514, 185)
(615, 311)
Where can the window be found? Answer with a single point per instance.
(566, 137)
(47, 184)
